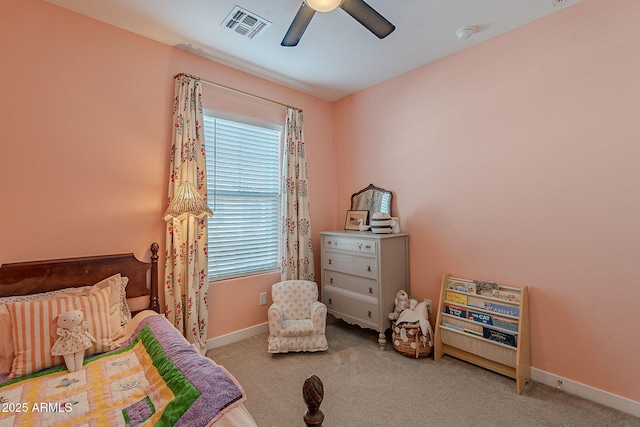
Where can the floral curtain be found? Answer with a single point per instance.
(297, 252)
(186, 281)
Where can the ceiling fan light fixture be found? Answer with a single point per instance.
(358, 9)
(323, 5)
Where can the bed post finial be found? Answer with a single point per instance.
(154, 303)
(313, 393)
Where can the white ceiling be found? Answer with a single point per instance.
(336, 55)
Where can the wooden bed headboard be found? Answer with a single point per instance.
(24, 278)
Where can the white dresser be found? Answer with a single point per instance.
(361, 273)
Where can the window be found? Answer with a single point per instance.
(243, 190)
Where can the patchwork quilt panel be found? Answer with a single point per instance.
(156, 378)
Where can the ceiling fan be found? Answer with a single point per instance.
(358, 9)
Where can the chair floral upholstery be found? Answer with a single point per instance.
(297, 320)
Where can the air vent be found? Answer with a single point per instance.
(245, 23)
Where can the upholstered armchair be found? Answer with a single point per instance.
(297, 320)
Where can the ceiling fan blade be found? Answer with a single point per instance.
(367, 16)
(298, 25)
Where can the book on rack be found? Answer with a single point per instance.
(457, 298)
(461, 329)
(461, 285)
(483, 318)
(506, 296)
(485, 288)
(455, 311)
(452, 326)
(502, 309)
(508, 324)
(499, 336)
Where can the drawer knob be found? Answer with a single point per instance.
(368, 268)
(328, 242)
(368, 246)
(370, 290)
(331, 280)
(329, 260)
(330, 301)
(368, 314)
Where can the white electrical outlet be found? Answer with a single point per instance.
(263, 298)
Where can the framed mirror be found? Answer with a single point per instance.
(372, 199)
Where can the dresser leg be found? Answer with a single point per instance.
(382, 340)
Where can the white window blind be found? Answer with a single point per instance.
(243, 190)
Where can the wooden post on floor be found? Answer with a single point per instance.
(313, 393)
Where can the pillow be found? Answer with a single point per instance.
(32, 339)
(6, 336)
(119, 312)
(125, 311)
(6, 340)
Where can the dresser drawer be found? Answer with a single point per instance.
(353, 307)
(351, 244)
(359, 266)
(349, 282)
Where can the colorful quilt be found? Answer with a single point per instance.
(155, 378)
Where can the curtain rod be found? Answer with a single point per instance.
(236, 90)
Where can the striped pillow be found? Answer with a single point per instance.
(120, 313)
(32, 329)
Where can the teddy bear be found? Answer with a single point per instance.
(73, 339)
(402, 302)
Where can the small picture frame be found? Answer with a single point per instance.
(352, 221)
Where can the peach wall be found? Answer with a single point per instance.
(517, 161)
(86, 130)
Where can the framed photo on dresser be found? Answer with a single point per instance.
(355, 218)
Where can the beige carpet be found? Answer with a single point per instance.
(368, 387)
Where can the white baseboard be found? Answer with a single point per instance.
(237, 336)
(596, 395)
